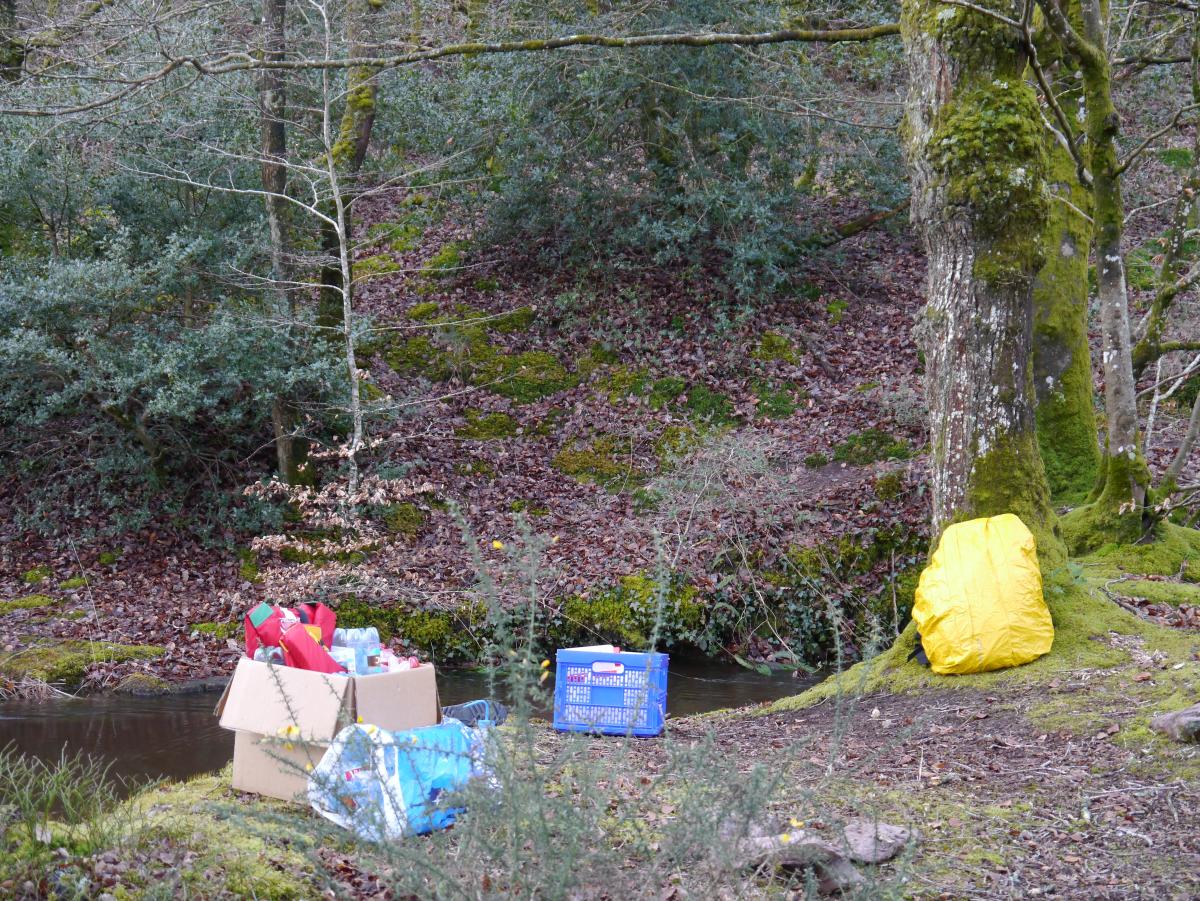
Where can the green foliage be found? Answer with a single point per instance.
(528, 508)
(372, 267)
(636, 609)
(816, 461)
(446, 262)
(836, 309)
(72, 583)
(593, 155)
(889, 486)
(666, 391)
(108, 558)
(424, 312)
(524, 377)
(519, 320)
(870, 446)
(447, 635)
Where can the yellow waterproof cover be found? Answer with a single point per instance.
(979, 604)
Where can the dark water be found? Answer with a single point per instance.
(177, 736)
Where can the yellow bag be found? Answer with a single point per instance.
(979, 603)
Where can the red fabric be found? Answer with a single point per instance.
(303, 651)
(268, 633)
(322, 616)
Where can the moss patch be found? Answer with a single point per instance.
(601, 462)
(72, 583)
(374, 267)
(143, 685)
(710, 406)
(218, 630)
(405, 519)
(529, 508)
(524, 377)
(774, 347)
(775, 401)
(445, 262)
(1174, 593)
(37, 575)
(487, 426)
(519, 320)
(1174, 550)
(446, 635)
(66, 662)
(108, 558)
(28, 602)
(423, 312)
(871, 446)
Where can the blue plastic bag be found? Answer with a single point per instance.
(385, 785)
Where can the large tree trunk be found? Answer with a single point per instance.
(291, 450)
(977, 162)
(1062, 361)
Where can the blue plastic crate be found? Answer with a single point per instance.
(610, 693)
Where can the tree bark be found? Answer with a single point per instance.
(977, 163)
(291, 450)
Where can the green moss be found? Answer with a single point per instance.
(28, 602)
(293, 554)
(405, 519)
(1110, 518)
(524, 377)
(143, 685)
(529, 508)
(65, 662)
(1174, 593)
(419, 356)
(400, 236)
(674, 443)
(774, 347)
(36, 575)
(519, 320)
(1140, 271)
(72, 583)
(375, 266)
(600, 462)
(423, 312)
(445, 262)
(870, 446)
(816, 461)
(444, 634)
(232, 849)
(710, 406)
(218, 630)
(666, 391)
(624, 381)
(1174, 549)
(836, 309)
(1009, 479)
(108, 558)
(487, 426)
(774, 402)
(1176, 157)
(988, 147)
(248, 565)
(486, 285)
(889, 486)
(1062, 365)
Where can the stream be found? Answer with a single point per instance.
(177, 736)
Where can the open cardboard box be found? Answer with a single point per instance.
(285, 718)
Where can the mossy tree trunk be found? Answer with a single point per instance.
(978, 165)
(1062, 361)
(1118, 511)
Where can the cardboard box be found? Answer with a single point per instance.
(285, 718)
